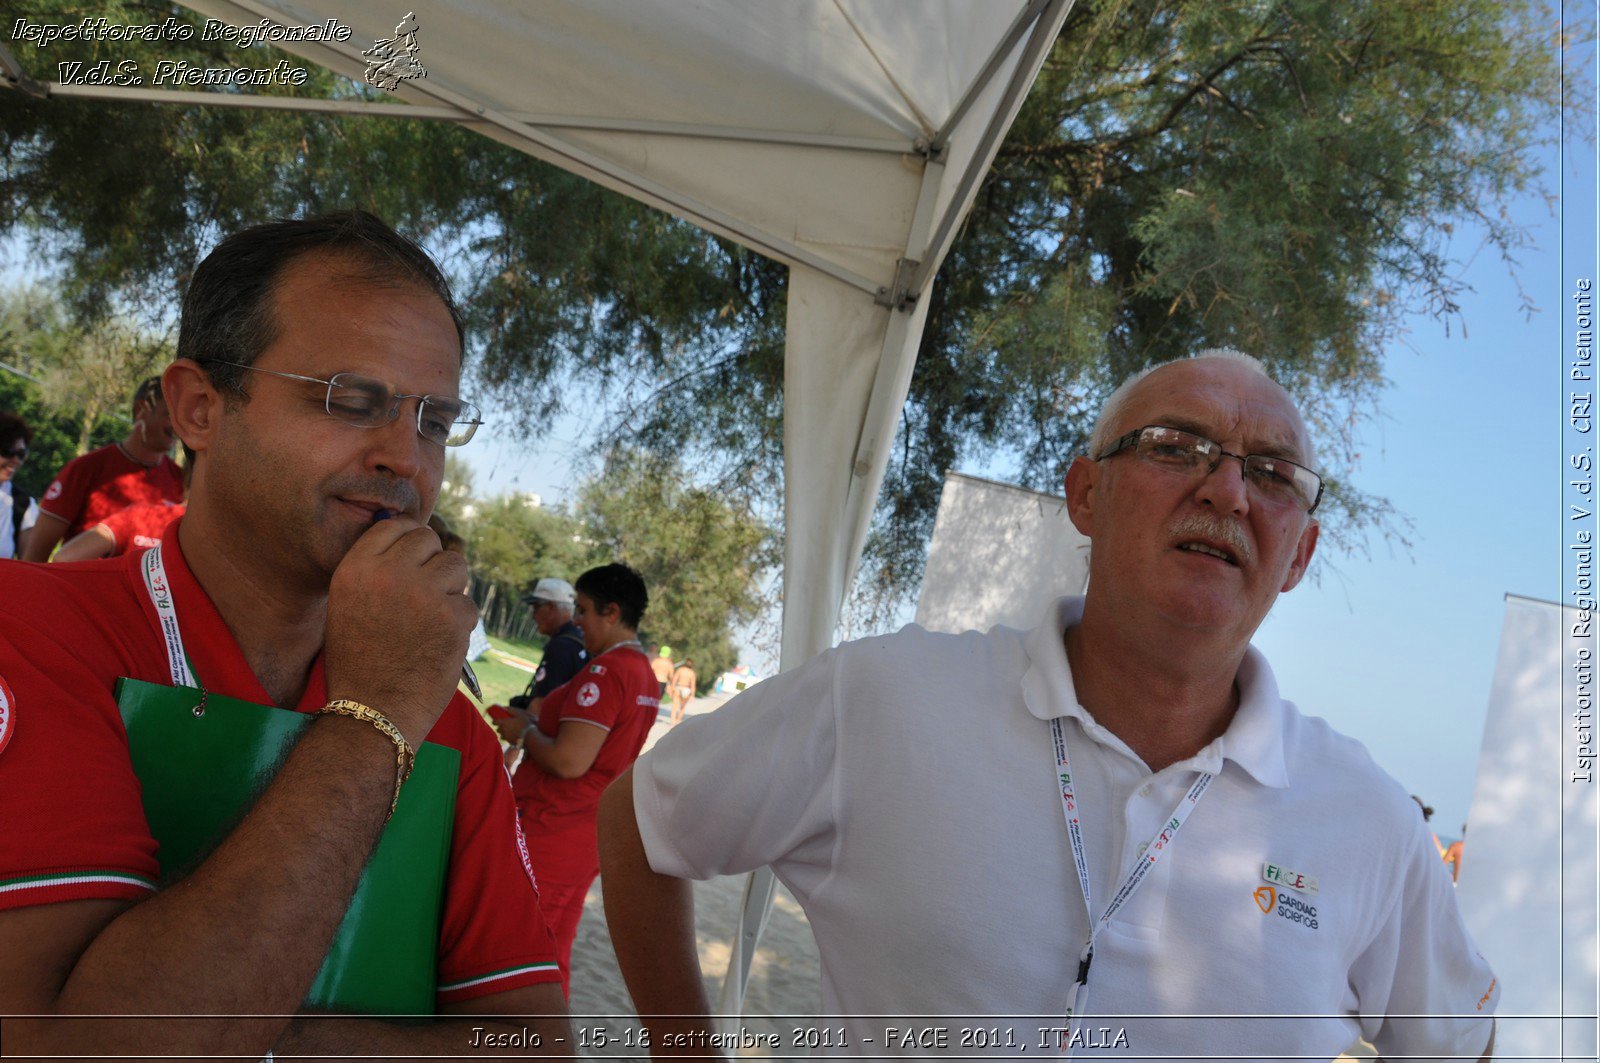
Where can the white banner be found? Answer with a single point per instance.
(1528, 871)
(1000, 554)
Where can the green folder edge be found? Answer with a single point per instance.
(199, 775)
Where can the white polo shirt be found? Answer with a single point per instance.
(904, 789)
(30, 517)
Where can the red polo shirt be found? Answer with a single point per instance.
(140, 527)
(90, 488)
(616, 692)
(67, 632)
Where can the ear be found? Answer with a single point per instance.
(194, 403)
(1302, 555)
(1083, 477)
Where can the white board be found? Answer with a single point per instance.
(1000, 554)
(1528, 872)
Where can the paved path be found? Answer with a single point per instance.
(512, 659)
(694, 708)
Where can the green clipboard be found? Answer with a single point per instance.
(199, 775)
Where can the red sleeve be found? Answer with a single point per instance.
(596, 697)
(76, 822)
(118, 525)
(65, 496)
(493, 935)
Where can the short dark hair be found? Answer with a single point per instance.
(13, 428)
(228, 310)
(149, 390)
(616, 584)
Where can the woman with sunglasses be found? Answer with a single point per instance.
(18, 512)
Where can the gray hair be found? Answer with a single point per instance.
(1100, 437)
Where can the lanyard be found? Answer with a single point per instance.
(1078, 995)
(160, 590)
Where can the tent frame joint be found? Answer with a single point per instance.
(932, 149)
(12, 76)
(897, 295)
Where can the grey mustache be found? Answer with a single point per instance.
(1215, 529)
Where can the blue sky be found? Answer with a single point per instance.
(1400, 653)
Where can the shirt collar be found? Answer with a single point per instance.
(1254, 738)
(218, 662)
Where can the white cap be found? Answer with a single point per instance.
(550, 590)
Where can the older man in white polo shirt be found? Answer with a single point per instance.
(1108, 835)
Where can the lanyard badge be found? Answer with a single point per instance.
(159, 588)
(1077, 996)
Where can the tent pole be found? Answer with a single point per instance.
(1022, 78)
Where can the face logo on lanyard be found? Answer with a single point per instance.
(8, 714)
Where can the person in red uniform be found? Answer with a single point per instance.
(134, 528)
(588, 731)
(318, 364)
(134, 471)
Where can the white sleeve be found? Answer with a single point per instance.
(1423, 989)
(750, 784)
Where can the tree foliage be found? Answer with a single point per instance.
(71, 383)
(513, 543)
(1278, 175)
(701, 558)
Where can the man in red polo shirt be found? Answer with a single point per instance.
(318, 366)
(134, 471)
(135, 528)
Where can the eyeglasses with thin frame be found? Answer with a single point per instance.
(1271, 477)
(366, 402)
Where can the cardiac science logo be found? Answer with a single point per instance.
(1287, 906)
(8, 714)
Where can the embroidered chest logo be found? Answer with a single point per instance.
(1295, 880)
(8, 714)
(1293, 901)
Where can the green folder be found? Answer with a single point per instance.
(201, 773)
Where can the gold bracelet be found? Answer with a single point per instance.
(404, 755)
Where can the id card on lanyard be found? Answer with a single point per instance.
(1078, 995)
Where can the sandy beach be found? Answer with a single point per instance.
(784, 978)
